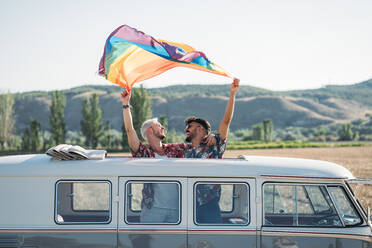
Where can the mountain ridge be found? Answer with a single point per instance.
(304, 108)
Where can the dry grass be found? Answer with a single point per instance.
(357, 159)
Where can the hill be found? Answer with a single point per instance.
(303, 108)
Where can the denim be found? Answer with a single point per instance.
(209, 213)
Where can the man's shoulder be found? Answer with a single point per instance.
(143, 151)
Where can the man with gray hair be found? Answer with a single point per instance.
(160, 201)
(153, 132)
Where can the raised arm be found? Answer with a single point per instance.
(223, 129)
(128, 122)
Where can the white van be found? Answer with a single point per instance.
(261, 202)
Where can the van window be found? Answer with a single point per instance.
(299, 205)
(221, 203)
(153, 202)
(83, 202)
(346, 209)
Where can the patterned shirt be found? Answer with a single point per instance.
(207, 192)
(205, 151)
(171, 151)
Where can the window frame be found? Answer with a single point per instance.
(326, 185)
(82, 223)
(353, 205)
(222, 182)
(128, 203)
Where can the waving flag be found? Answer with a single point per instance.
(132, 56)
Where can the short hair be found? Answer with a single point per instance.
(201, 121)
(147, 124)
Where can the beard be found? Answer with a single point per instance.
(190, 137)
(159, 136)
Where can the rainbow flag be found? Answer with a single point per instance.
(131, 56)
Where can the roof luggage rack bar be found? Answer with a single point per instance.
(360, 180)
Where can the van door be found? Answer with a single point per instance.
(222, 212)
(85, 215)
(152, 212)
(310, 215)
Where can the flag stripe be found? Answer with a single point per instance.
(132, 56)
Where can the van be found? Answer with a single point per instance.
(261, 202)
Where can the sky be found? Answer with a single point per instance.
(276, 45)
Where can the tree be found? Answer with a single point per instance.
(347, 133)
(7, 119)
(141, 104)
(57, 117)
(268, 130)
(85, 123)
(108, 139)
(26, 143)
(34, 135)
(124, 139)
(257, 132)
(91, 125)
(96, 121)
(163, 119)
(31, 136)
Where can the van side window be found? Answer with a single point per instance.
(221, 203)
(306, 205)
(153, 202)
(348, 212)
(83, 202)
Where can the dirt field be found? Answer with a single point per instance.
(357, 159)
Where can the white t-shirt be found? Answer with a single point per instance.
(165, 194)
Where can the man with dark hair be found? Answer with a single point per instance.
(196, 128)
(160, 201)
(208, 195)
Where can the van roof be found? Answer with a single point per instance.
(248, 166)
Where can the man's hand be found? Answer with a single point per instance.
(234, 86)
(125, 97)
(211, 140)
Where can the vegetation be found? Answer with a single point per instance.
(91, 125)
(31, 139)
(141, 107)
(7, 120)
(265, 119)
(57, 118)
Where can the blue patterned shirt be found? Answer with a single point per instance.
(205, 151)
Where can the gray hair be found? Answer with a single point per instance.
(147, 124)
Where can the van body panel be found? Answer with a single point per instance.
(60, 239)
(227, 234)
(48, 203)
(151, 235)
(31, 214)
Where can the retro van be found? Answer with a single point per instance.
(262, 202)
